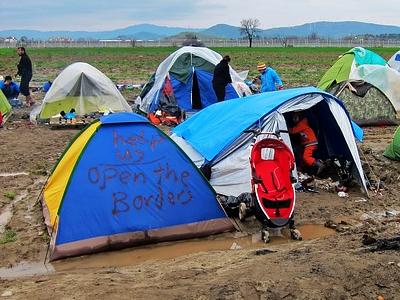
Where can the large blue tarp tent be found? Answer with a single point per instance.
(124, 182)
(217, 135)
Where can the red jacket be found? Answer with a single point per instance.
(307, 134)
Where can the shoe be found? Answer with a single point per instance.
(295, 235)
(319, 166)
(265, 235)
(242, 211)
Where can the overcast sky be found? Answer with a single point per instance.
(94, 15)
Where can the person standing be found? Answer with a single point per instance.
(270, 80)
(221, 78)
(25, 71)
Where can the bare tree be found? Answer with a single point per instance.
(249, 28)
(284, 41)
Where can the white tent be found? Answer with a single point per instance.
(394, 61)
(84, 88)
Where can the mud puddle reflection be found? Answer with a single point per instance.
(162, 251)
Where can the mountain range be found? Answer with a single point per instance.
(155, 32)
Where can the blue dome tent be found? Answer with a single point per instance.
(217, 137)
(123, 182)
(189, 71)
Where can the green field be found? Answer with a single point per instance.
(297, 66)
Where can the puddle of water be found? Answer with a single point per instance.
(5, 217)
(170, 250)
(162, 251)
(6, 214)
(13, 174)
(312, 231)
(26, 269)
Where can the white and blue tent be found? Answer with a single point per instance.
(190, 72)
(394, 61)
(217, 135)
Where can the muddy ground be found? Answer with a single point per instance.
(335, 266)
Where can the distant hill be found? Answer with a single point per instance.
(222, 30)
(155, 32)
(141, 31)
(322, 29)
(332, 29)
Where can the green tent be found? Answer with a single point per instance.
(5, 107)
(84, 88)
(341, 70)
(393, 150)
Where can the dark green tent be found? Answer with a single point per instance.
(366, 104)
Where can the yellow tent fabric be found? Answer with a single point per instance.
(58, 181)
(5, 107)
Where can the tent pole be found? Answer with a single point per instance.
(51, 237)
(41, 191)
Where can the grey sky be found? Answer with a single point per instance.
(107, 14)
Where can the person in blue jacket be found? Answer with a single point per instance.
(9, 88)
(270, 80)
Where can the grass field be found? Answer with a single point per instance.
(297, 66)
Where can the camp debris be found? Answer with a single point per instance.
(46, 86)
(363, 80)
(189, 71)
(140, 188)
(84, 88)
(58, 122)
(218, 137)
(393, 149)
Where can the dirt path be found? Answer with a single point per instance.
(332, 267)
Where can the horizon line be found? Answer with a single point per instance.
(191, 28)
